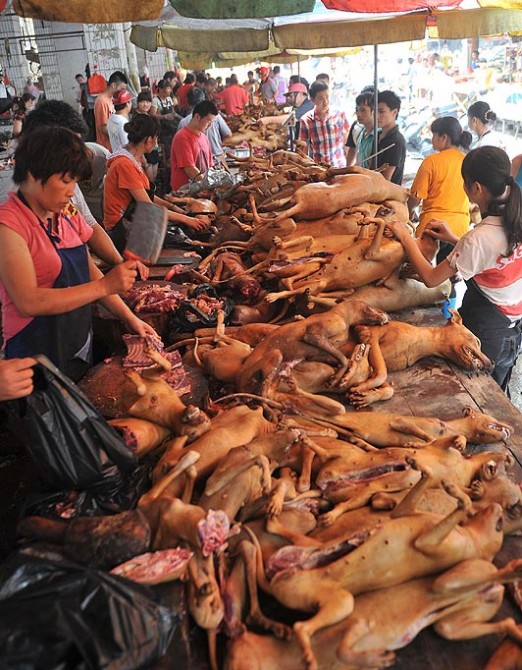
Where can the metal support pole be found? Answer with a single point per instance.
(376, 102)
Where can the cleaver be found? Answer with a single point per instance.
(146, 231)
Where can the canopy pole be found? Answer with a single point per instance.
(298, 67)
(376, 102)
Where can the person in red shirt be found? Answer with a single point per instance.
(188, 82)
(234, 97)
(191, 155)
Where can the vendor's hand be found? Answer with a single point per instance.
(143, 270)
(141, 328)
(199, 223)
(121, 278)
(440, 231)
(400, 230)
(16, 378)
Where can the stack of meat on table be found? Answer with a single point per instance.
(370, 525)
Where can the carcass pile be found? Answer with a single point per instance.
(371, 526)
(260, 126)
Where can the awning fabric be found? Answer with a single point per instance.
(197, 35)
(258, 39)
(240, 9)
(387, 5)
(456, 24)
(357, 30)
(89, 11)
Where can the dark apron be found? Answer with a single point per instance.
(167, 128)
(66, 339)
(500, 342)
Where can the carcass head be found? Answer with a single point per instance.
(495, 484)
(204, 596)
(486, 429)
(203, 206)
(462, 347)
(195, 423)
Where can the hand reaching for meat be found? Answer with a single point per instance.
(141, 328)
(400, 230)
(199, 223)
(121, 278)
(440, 231)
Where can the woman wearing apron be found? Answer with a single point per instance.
(47, 278)
(163, 110)
(489, 258)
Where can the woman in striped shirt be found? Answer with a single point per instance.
(489, 258)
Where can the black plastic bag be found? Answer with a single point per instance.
(56, 615)
(188, 317)
(72, 445)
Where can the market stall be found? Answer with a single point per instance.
(271, 386)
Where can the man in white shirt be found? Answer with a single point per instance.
(122, 101)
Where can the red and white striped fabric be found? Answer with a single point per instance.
(325, 137)
(480, 254)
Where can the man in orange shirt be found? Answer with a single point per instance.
(103, 107)
(234, 97)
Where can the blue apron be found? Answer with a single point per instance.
(66, 339)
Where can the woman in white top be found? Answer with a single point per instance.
(488, 257)
(480, 121)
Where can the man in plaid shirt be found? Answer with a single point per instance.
(324, 130)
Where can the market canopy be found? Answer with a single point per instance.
(89, 11)
(325, 32)
(114, 11)
(249, 9)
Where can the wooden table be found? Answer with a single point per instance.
(434, 387)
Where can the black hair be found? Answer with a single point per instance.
(140, 127)
(448, 125)
(55, 113)
(50, 150)
(276, 69)
(317, 87)
(365, 99)
(120, 106)
(189, 79)
(389, 98)
(26, 97)
(201, 78)
(234, 79)
(169, 74)
(163, 83)
(323, 76)
(205, 108)
(144, 95)
(482, 111)
(296, 79)
(491, 167)
(210, 81)
(118, 78)
(195, 95)
(78, 75)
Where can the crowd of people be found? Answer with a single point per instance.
(70, 197)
